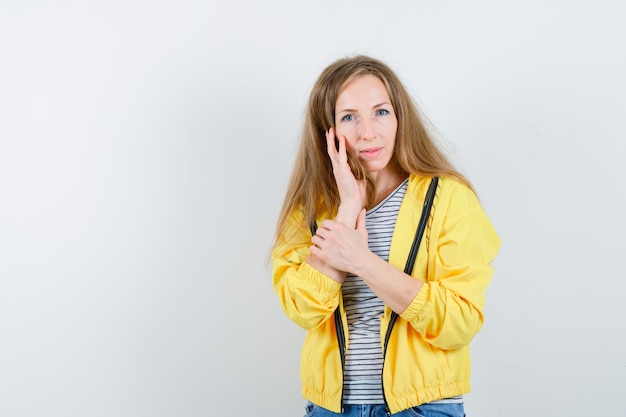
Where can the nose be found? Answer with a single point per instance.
(367, 131)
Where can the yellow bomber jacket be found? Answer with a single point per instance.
(427, 354)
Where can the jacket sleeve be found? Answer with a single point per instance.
(448, 310)
(307, 296)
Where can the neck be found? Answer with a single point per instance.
(386, 183)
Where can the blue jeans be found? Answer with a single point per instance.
(424, 410)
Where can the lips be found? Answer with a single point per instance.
(371, 152)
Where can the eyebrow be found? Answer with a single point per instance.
(374, 107)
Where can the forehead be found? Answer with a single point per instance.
(363, 88)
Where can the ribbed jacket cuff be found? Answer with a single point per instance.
(325, 284)
(414, 309)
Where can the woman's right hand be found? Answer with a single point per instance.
(351, 190)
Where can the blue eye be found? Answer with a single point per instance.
(382, 112)
(347, 118)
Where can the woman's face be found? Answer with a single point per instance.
(365, 117)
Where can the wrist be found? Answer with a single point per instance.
(364, 265)
(347, 214)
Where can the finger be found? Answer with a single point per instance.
(330, 143)
(342, 153)
(315, 250)
(317, 240)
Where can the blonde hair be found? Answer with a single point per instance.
(312, 188)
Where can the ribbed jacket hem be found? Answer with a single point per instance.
(396, 403)
(330, 402)
(412, 398)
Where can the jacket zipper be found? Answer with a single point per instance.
(341, 342)
(392, 321)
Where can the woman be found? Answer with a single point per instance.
(385, 336)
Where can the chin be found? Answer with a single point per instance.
(374, 168)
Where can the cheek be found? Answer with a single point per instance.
(390, 126)
(392, 132)
(346, 133)
(340, 130)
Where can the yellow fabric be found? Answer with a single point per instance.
(428, 353)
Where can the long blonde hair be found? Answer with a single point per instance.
(312, 188)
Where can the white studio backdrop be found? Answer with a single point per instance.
(145, 148)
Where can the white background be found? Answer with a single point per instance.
(145, 147)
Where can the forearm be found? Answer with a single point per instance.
(394, 287)
(441, 315)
